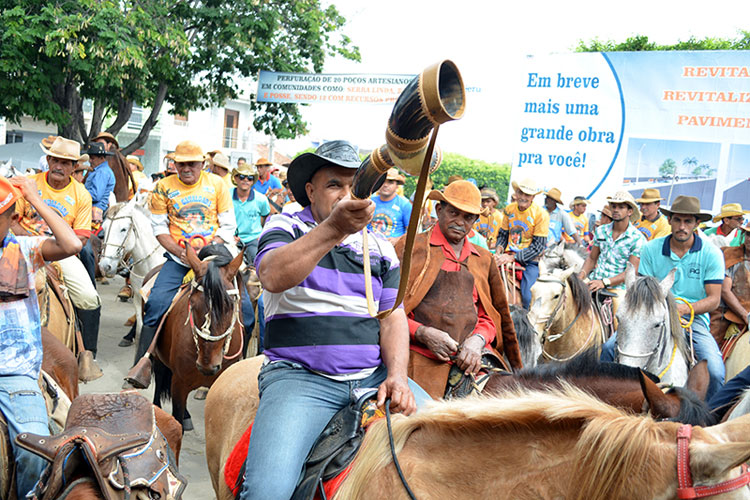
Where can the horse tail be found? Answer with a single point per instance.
(163, 383)
(373, 457)
(528, 341)
(217, 298)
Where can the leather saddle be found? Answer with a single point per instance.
(113, 437)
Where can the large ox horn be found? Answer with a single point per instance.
(434, 97)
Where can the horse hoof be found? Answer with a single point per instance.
(125, 342)
(200, 394)
(187, 425)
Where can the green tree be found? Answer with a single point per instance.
(668, 168)
(53, 55)
(697, 171)
(641, 42)
(690, 162)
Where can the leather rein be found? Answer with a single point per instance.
(204, 331)
(120, 253)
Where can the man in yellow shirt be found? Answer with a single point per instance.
(192, 205)
(523, 235)
(489, 225)
(652, 223)
(220, 166)
(72, 201)
(579, 218)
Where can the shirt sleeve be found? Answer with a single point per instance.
(223, 198)
(159, 200)
(646, 266)
(714, 267)
(597, 236)
(405, 212)
(227, 226)
(485, 326)
(82, 221)
(279, 231)
(264, 206)
(570, 228)
(638, 245)
(502, 239)
(537, 246)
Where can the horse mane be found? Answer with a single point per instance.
(116, 208)
(693, 410)
(586, 364)
(524, 331)
(580, 292)
(612, 451)
(217, 299)
(579, 250)
(644, 294)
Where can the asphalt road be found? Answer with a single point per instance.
(115, 362)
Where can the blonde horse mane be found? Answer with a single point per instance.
(613, 450)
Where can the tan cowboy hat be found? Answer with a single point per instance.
(730, 210)
(746, 228)
(577, 201)
(221, 160)
(188, 151)
(606, 211)
(555, 194)
(80, 167)
(454, 178)
(169, 156)
(263, 162)
(135, 161)
(686, 205)
(47, 141)
(394, 175)
(649, 195)
(107, 137)
(527, 186)
(245, 169)
(213, 153)
(63, 148)
(461, 194)
(489, 193)
(627, 198)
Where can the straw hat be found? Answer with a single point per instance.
(47, 141)
(606, 211)
(454, 178)
(80, 167)
(650, 195)
(461, 194)
(489, 193)
(527, 186)
(169, 156)
(555, 194)
(8, 194)
(263, 162)
(187, 151)
(686, 205)
(245, 169)
(221, 160)
(627, 198)
(63, 148)
(107, 137)
(577, 201)
(394, 175)
(303, 167)
(730, 210)
(135, 161)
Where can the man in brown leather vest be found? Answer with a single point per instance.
(455, 300)
(735, 291)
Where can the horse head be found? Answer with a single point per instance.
(547, 297)
(118, 230)
(214, 304)
(646, 318)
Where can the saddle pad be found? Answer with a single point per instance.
(236, 461)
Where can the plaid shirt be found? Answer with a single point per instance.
(614, 254)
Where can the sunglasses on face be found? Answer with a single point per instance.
(244, 177)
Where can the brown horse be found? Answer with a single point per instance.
(511, 283)
(60, 364)
(557, 444)
(202, 333)
(55, 306)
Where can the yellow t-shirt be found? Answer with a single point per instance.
(581, 223)
(523, 226)
(191, 210)
(139, 177)
(488, 226)
(73, 203)
(652, 230)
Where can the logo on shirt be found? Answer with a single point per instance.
(69, 200)
(209, 189)
(383, 224)
(173, 194)
(694, 272)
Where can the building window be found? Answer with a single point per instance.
(181, 120)
(13, 136)
(231, 124)
(136, 118)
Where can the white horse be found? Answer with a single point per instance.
(562, 256)
(128, 237)
(650, 335)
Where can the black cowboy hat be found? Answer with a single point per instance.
(97, 149)
(333, 153)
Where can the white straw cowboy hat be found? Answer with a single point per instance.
(188, 151)
(461, 194)
(490, 194)
(527, 186)
(650, 195)
(627, 198)
(221, 160)
(394, 175)
(730, 210)
(555, 194)
(63, 148)
(246, 169)
(687, 205)
(577, 201)
(135, 161)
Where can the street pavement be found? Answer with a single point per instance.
(115, 362)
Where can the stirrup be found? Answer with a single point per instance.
(140, 375)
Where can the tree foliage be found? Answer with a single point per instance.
(641, 42)
(668, 167)
(189, 53)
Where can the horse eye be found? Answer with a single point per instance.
(124, 230)
(659, 325)
(556, 296)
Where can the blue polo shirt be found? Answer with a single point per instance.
(99, 184)
(273, 182)
(702, 265)
(248, 213)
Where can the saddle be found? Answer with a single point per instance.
(605, 310)
(113, 437)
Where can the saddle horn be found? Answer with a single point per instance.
(434, 97)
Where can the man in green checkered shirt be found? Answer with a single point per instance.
(615, 244)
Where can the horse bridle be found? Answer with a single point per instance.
(661, 339)
(204, 331)
(120, 252)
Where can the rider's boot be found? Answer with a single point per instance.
(89, 319)
(140, 375)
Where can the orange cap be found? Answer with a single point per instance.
(8, 194)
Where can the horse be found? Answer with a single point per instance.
(128, 235)
(556, 444)
(528, 340)
(650, 335)
(563, 316)
(512, 282)
(562, 256)
(193, 357)
(56, 309)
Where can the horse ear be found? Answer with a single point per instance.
(667, 282)
(713, 461)
(660, 405)
(629, 275)
(234, 266)
(698, 379)
(561, 246)
(567, 273)
(196, 265)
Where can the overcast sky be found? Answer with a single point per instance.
(488, 41)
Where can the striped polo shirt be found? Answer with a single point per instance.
(323, 323)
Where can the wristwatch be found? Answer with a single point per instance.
(607, 282)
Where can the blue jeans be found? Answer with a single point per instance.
(89, 262)
(261, 324)
(24, 409)
(527, 281)
(729, 393)
(295, 406)
(165, 288)
(705, 348)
